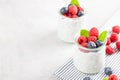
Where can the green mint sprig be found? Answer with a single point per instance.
(84, 32)
(102, 36)
(75, 2)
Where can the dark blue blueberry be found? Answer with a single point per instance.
(63, 10)
(91, 44)
(80, 13)
(98, 43)
(87, 78)
(69, 5)
(108, 71)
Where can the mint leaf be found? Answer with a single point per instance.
(84, 32)
(102, 36)
(75, 2)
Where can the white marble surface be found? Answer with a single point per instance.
(29, 46)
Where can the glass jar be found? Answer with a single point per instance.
(68, 27)
(87, 60)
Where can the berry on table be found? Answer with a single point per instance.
(63, 10)
(94, 32)
(108, 71)
(98, 43)
(109, 50)
(74, 16)
(116, 29)
(118, 45)
(72, 9)
(82, 39)
(113, 77)
(80, 13)
(87, 78)
(114, 37)
(92, 38)
(91, 45)
(108, 41)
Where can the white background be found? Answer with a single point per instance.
(29, 46)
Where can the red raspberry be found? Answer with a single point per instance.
(108, 41)
(92, 38)
(118, 45)
(94, 32)
(74, 16)
(109, 50)
(113, 77)
(113, 37)
(84, 44)
(80, 8)
(72, 9)
(82, 39)
(116, 29)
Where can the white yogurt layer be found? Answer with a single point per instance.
(68, 27)
(89, 62)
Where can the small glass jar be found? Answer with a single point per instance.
(68, 27)
(90, 61)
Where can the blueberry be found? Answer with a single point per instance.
(69, 5)
(91, 44)
(87, 78)
(80, 13)
(63, 10)
(98, 43)
(108, 71)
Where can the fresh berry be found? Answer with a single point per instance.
(98, 43)
(63, 10)
(92, 38)
(118, 45)
(87, 78)
(80, 8)
(82, 39)
(114, 37)
(80, 13)
(91, 45)
(108, 41)
(116, 29)
(113, 77)
(109, 50)
(94, 32)
(106, 78)
(84, 44)
(74, 16)
(72, 9)
(108, 71)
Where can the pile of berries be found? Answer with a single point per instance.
(108, 71)
(72, 11)
(91, 39)
(113, 38)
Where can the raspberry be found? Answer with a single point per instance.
(84, 44)
(94, 32)
(82, 39)
(80, 8)
(113, 77)
(118, 45)
(74, 16)
(116, 29)
(108, 41)
(113, 37)
(92, 38)
(109, 50)
(72, 9)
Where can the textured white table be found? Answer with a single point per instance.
(29, 47)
